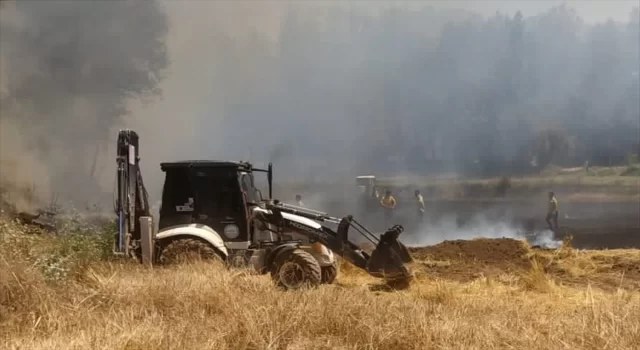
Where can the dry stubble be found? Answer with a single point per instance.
(204, 306)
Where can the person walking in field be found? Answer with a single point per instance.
(552, 211)
(389, 205)
(419, 204)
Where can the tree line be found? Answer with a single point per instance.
(435, 90)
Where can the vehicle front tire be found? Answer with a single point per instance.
(188, 250)
(296, 268)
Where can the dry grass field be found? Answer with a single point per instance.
(64, 293)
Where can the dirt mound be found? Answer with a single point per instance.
(481, 250)
(466, 260)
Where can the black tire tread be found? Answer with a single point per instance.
(309, 264)
(177, 246)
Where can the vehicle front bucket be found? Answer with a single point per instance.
(388, 259)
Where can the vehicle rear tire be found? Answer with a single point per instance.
(329, 274)
(294, 269)
(188, 250)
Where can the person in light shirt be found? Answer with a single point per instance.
(552, 211)
(419, 204)
(389, 205)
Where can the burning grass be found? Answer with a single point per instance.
(120, 305)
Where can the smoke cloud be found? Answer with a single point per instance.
(68, 71)
(448, 228)
(324, 90)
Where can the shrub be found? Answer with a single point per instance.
(61, 255)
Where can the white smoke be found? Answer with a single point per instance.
(545, 239)
(447, 228)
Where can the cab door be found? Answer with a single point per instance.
(178, 197)
(219, 203)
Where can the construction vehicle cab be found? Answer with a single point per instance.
(368, 196)
(214, 210)
(212, 193)
(366, 184)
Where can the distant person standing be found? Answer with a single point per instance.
(419, 204)
(299, 201)
(552, 211)
(389, 205)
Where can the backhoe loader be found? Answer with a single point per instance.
(214, 209)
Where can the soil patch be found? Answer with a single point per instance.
(465, 260)
(480, 250)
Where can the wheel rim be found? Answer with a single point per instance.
(291, 275)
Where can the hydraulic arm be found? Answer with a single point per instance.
(387, 259)
(132, 200)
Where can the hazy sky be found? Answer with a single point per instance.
(265, 15)
(590, 10)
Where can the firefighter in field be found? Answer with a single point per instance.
(419, 205)
(389, 205)
(552, 211)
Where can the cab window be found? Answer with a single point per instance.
(247, 187)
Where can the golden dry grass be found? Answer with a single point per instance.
(121, 305)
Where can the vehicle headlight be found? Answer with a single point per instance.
(231, 231)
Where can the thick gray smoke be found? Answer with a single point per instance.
(325, 90)
(68, 70)
(341, 91)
